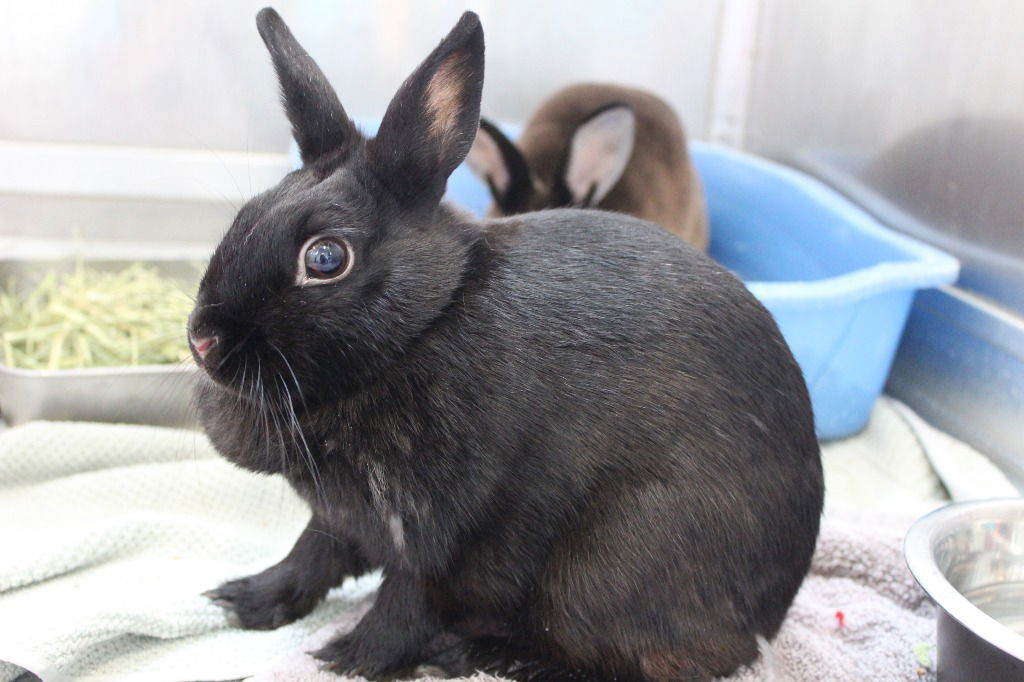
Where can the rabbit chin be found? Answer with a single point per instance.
(250, 393)
(211, 376)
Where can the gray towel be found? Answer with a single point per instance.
(858, 617)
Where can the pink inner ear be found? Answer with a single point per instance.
(600, 151)
(486, 161)
(444, 97)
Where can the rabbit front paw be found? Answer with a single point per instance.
(267, 600)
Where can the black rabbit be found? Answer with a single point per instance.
(578, 448)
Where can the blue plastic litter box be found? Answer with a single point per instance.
(839, 284)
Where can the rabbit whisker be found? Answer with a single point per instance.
(307, 454)
(314, 469)
(262, 410)
(295, 379)
(239, 395)
(277, 419)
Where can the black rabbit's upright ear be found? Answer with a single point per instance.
(319, 122)
(432, 120)
(499, 163)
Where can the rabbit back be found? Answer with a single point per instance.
(632, 409)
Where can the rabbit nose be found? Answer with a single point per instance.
(202, 345)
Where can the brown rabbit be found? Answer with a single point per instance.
(596, 146)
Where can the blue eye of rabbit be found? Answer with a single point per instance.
(326, 258)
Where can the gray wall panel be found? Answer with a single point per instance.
(194, 73)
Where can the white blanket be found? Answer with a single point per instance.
(109, 533)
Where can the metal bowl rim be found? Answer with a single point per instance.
(917, 550)
(116, 370)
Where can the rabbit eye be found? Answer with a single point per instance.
(324, 259)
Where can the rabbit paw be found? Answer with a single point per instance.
(355, 654)
(265, 601)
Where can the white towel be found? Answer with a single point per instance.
(109, 533)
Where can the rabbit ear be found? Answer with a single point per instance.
(498, 162)
(430, 124)
(600, 150)
(319, 123)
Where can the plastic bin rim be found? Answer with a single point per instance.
(929, 266)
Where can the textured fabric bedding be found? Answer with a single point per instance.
(109, 533)
(858, 572)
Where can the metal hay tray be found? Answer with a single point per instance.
(150, 394)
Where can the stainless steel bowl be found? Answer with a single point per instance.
(969, 557)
